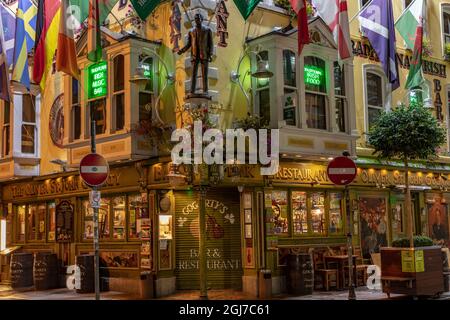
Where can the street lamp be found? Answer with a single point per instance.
(262, 72)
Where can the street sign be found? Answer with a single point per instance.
(94, 170)
(342, 171)
(94, 199)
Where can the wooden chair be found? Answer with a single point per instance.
(329, 277)
(361, 269)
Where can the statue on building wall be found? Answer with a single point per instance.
(200, 41)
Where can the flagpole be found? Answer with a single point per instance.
(361, 10)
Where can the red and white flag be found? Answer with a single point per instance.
(299, 6)
(335, 15)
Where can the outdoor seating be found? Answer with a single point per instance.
(329, 277)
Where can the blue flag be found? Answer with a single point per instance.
(9, 25)
(4, 83)
(377, 24)
(24, 42)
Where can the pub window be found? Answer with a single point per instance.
(31, 223)
(280, 212)
(36, 222)
(28, 124)
(76, 110)
(119, 223)
(336, 214)
(340, 97)
(290, 87)
(119, 93)
(103, 219)
(136, 210)
(20, 224)
(316, 93)
(98, 113)
(300, 213)
(6, 130)
(51, 221)
(446, 24)
(263, 92)
(318, 213)
(374, 97)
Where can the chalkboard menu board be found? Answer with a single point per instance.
(64, 221)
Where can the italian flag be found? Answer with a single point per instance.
(408, 22)
(94, 33)
(66, 54)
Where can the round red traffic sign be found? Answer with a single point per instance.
(94, 170)
(342, 171)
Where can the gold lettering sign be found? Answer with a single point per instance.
(115, 147)
(335, 146)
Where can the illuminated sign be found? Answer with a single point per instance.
(313, 75)
(98, 80)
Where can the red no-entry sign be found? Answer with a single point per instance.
(94, 170)
(342, 171)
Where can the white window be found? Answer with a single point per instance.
(445, 25)
(146, 96)
(26, 125)
(375, 95)
(340, 97)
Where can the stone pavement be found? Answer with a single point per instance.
(6, 293)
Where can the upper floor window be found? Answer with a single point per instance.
(119, 93)
(76, 110)
(364, 2)
(406, 3)
(340, 97)
(97, 110)
(146, 95)
(6, 130)
(446, 24)
(263, 92)
(316, 100)
(28, 142)
(290, 87)
(375, 97)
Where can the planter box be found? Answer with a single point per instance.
(412, 271)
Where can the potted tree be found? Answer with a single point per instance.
(409, 133)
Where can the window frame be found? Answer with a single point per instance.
(115, 95)
(26, 234)
(16, 138)
(152, 93)
(294, 89)
(73, 121)
(6, 130)
(445, 8)
(259, 89)
(385, 91)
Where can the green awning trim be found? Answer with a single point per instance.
(419, 165)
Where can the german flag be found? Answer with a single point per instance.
(46, 38)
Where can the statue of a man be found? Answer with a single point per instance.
(200, 41)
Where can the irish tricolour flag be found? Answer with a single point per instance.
(409, 20)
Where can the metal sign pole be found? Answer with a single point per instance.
(351, 287)
(95, 218)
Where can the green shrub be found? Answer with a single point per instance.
(419, 241)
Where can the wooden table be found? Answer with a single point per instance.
(341, 260)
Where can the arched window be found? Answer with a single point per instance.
(316, 101)
(119, 93)
(375, 97)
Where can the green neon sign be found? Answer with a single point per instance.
(147, 70)
(98, 80)
(313, 75)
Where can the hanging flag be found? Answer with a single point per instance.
(415, 76)
(80, 10)
(335, 15)
(145, 7)
(246, 7)
(24, 42)
(4, 83)
(94, 33)
(408, 22)
(380, 30)
(299, 7)
(47, 25)
(66, 54)
(9, 25)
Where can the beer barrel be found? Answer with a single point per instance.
(45, 271)
(21, 270)
(86, 265)
(300, 274)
